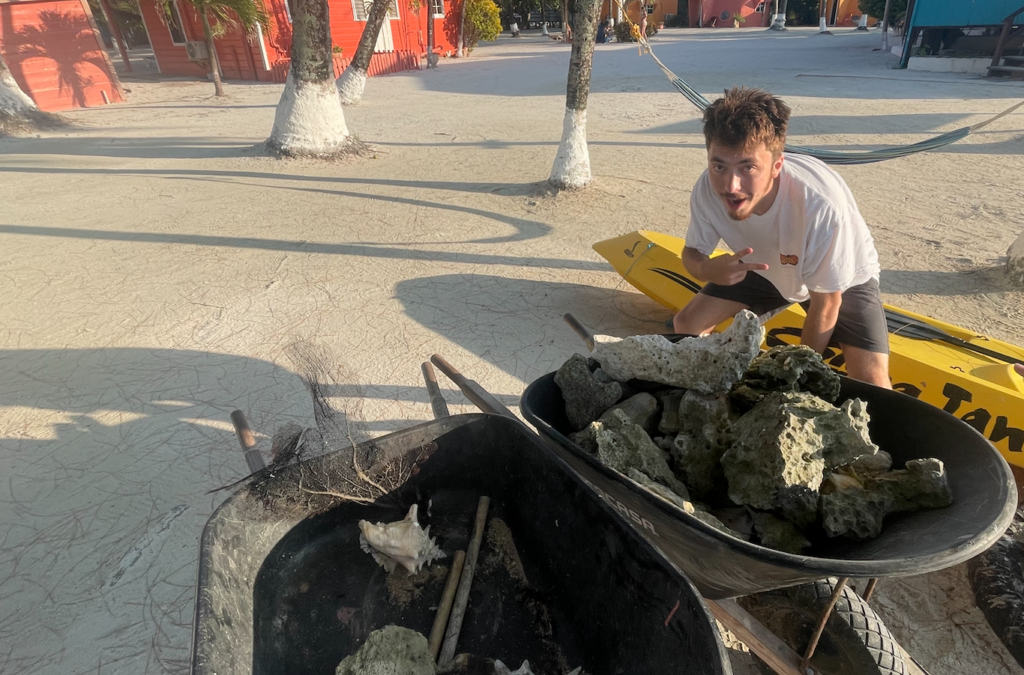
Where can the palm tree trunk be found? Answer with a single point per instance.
(212, 50)
(309, 119)
(13, 101)
(352, 82)
(18, 112)
(780, 17)
(115, 32)
(572, 164)
(1015, 262)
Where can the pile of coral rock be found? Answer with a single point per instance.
(750, 443)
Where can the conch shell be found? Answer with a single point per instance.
(402, 543)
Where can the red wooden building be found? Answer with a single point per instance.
(175, 37)
(53, 50)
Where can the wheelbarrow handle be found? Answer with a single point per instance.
(585, 333)
(253, 458)
(437, 402)
(471, 389)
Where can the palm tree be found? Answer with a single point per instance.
(216, 16)
(352, 82)
(780, 16)
(572, 164)
(310, 120)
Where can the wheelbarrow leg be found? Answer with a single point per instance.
(870, 590)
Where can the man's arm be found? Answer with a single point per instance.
(821, 320)
(724, 270)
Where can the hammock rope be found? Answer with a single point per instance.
(827, 156)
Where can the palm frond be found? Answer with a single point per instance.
(224, 13)
(247, 13)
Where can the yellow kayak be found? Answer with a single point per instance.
(966, 374)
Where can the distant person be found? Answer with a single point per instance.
(514, 25)
(602, 32)
(796, 233)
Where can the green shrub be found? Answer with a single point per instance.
(676, 21)
(623, 34)
(483, 22)
(876, 8)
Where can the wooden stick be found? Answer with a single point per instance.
(253, 458)
(451, 636)
(445, 608)
(585, 333)
(766, 644)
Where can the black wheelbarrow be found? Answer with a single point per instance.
(283, 588)
(852, 638)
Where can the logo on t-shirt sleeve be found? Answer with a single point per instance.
(788, 259)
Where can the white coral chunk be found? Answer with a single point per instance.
(402, 543)
(709, 365)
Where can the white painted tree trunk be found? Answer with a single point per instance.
(13, 101)
(351, 85)
(309, 120)
(1015, 261)
(572, 164)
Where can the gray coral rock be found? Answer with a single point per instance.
(585, 398)
(776, 456)
(844, 433)
(783, 447)
(639, 408)
(710, 365)
(623, 445)
(856, 508)
(392, 650)
(922, 485)
(788, 368)
(880, 462)
(703, 438)
(779, 534)
(660, 490)
(669, 400)
(689, 507)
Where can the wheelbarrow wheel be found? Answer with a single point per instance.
(855, 641)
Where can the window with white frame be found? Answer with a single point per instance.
(437, 9)
(174, 24)
(361, 9)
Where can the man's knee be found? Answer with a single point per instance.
(685, 322)
(867, 366)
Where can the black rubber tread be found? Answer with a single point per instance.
(997, 577)
(855, 641)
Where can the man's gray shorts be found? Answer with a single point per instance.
(861, 321)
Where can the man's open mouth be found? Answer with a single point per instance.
(735, 202)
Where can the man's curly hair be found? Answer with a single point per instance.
(745, 118)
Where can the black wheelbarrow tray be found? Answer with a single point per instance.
(281, 590)
(723, 566)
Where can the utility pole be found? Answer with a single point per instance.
(431, 58)
(885, 25)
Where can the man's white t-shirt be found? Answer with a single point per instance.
(812, 238)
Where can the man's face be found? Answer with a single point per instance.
(744, 178)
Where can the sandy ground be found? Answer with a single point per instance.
(158, 271)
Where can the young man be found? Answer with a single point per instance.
(796, 233)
